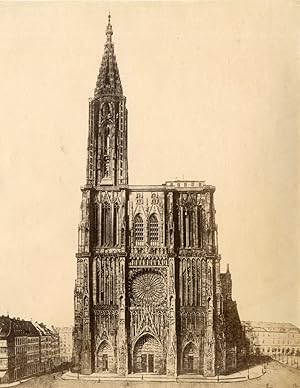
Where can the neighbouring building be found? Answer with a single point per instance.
(49, 348)
(236, 344)
(272, 339)
(65, 343)
(148, 294)
(21, 354)
(19, 351)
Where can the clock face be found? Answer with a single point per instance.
(148, 289)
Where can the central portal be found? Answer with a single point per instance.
(148, 356)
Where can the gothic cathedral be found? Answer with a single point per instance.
(149, 296)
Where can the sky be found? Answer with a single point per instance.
(212, 93)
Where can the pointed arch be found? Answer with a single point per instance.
(153, 230)
(116, 224)
(96, 224)
(106, 223)
(148, 355)
(138, 229)
(200, 226)
(105, 357)
(190, 358)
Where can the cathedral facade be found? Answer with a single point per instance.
(148, 294)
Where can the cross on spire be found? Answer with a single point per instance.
(109, 30)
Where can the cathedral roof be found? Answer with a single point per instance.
(108, 81)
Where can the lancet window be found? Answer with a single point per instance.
(116, 225)
(153, 230)
(106, 224)
(138, 229)
(96, 223)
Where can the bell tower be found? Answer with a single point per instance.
(107, 162)
(99, 295)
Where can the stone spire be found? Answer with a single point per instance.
(108, 81)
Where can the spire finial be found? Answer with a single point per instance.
(109, 30)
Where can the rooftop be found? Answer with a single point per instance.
(271, 326)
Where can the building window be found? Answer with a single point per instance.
(153, 229)
(138, 229)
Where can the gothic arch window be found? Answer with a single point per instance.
(200, 226)
(105, 224)
(122, 236)
(138, 229)
(116, 225)
(191, 228)
(184, 227)
(188, 227)
(96, 223)
(153, 230)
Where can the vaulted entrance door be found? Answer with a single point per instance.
(105, 358)
(148, 356)
(190, 359)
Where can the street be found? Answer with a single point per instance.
(277, 376)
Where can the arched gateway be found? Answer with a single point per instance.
(105, 358)
(148, 356)
(190, 359)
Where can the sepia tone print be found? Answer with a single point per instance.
(212, 103)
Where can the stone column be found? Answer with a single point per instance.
(122, 330)
(85, 361)
(209, 340)
(172, 340)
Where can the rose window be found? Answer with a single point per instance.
(148, 288)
